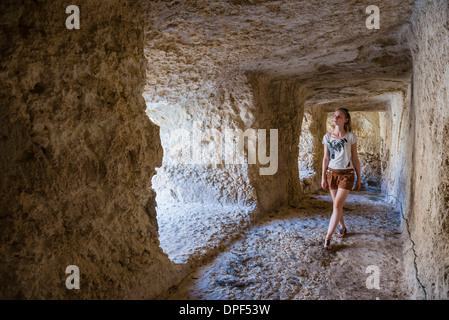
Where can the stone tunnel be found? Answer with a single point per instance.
(114, 134)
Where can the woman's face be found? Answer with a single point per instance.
(339, 118)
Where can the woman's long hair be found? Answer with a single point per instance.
(347, 126)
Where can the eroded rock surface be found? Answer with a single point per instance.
(77, 154)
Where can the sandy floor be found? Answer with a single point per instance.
(282, 257)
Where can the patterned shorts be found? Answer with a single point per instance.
(340, 179)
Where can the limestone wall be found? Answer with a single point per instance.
(195, 136)
(367, 129)
(428, 208)
(77, 154)
(279, 106)
(396, 131)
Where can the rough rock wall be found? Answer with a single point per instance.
(367, 129)
(397, 136)
(279, 106)
(195, 137)
(77, 154)
(397, 131)
(311, 149)
(428, 210)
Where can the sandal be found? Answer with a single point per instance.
(327, 244)
(341, 232)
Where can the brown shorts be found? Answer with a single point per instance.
(340, 179)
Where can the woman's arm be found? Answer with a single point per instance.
(356, 163)
(325, 164)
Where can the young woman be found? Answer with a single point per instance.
(340, 160)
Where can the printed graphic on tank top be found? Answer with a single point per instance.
(340, 150)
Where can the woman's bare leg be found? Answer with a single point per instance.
(334, 194)
(337, 214)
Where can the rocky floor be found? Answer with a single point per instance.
(283, 257)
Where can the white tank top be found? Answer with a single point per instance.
(340, 150)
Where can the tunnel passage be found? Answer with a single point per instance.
(204, 200)
(78, 153)
(377, 126)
